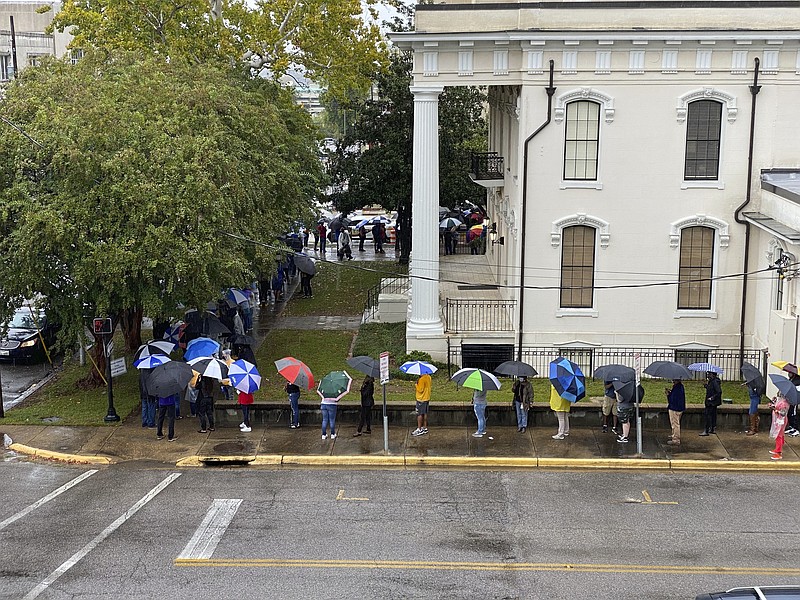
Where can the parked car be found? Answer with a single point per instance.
(788, 592)
(21, 339)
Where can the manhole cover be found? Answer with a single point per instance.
(234, 448)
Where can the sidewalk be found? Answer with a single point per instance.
(503, 447)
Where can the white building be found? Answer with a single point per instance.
(626, 175)
(32, 42)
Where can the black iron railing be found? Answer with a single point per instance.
(461, 246)
(486, 165)
(589, 359)
(390, 285)
(479, 315)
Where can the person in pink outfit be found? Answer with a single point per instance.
(780, 408)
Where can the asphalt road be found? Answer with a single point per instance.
(390, 533)
(17, 378)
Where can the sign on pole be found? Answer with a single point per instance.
(118, 367)
(384, 363)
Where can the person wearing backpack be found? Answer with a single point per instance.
(713, 400)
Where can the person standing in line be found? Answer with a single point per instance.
(780, 410)
(523, 398)
(293, 392)
(305, 285)
(149, 403)
(792, 423)
(422, 393)
(609, 407)
(362, 237)
(626, 412)
(676, 405)
(192, 393)
(479, 403)
(560, 406)
(713, 400)
(755, 392)
(166, 408)
(238, 323)
(205, 404)
(328, 408)
(245, 401)
(367, 402)
(322, 236)
(343, 243)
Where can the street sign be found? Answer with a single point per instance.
(384, 363)
(109, 348)
(637, 364)
(118, 367)
(102, 326)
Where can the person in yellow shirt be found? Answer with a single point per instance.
(561, 407)
(423, 394)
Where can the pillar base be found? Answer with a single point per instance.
(429, 339)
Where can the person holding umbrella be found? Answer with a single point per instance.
(756, 388)
(780, 408)
(205, 404)
(343, 243)
(560, 406)
(367, 402)
(523, 398)
(331, 388)
(422, 394)
(293, 393)
(712, 401)
(676, 405)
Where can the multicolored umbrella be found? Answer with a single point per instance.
(151, 362)
(244, 376)
(374, 220)
(334, 385)
(236, 296)
(154, 347)
(476, 379)
(706, 367)
(568, 379)
(174, 332)
(200, 348)
(784, 365)
(418, 367)
(168, 379)
(295, 371)
(208, 366)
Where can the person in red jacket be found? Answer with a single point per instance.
(245, 401)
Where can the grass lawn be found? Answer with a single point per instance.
(340, 288)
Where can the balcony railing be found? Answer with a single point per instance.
(486, 165)
(478, 315)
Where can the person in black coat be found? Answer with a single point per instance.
(367, 402)
(713, 400)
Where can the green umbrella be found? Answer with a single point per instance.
(334, 385)
(476, 379)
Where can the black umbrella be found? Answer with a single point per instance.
(515, 368)
(169, 378)
(627, 390)
(212, 326)
(305, 264)
(786, 388)
(753, 378)
(242, 339)
(610, 372)
(365, 364)
(667, 369)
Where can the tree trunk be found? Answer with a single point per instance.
(130, 321)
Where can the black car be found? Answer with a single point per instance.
(22, 339)
(788, 592)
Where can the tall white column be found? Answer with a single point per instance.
(424, 267)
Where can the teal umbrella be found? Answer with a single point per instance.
(334, 385)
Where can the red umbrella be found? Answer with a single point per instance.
(295, 371)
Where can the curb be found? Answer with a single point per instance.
(75, 459)
(326, 460)
(606, 463)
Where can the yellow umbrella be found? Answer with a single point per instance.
(785, 365)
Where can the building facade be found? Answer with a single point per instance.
(624, 131)
(32, 41)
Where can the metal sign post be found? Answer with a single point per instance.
(384, 364)
(637, 363)
(104, 329)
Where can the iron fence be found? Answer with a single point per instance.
(478, 315)
(589, 359)
(389, 285)
(461, 245)
(486, 165)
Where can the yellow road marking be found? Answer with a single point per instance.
(649, 500)
(340, 496)
(482, 566)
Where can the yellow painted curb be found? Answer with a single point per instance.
(735, 465)
(189, 461)
(347, 460)
(60, 456)
(268, 460)
(471, 461)
(604, 463)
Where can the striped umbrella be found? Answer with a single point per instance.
(151, 362)
(418, 367)
(704, 366)
(244, 376)
(174, 332)
(208, 366)
(476, 379)
(236, 296)
(295, 371)
(154, 347)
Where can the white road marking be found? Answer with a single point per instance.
(208, 535)
(50, 579)
(50, 496)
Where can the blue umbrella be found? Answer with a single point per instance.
(568, 379)
(174, 332)
(151, 361)
(201, 346)
(373, 221)
(418, 367)
(244, 376)
(236, 296)
(786, 388)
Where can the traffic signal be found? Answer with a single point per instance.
(102, 326)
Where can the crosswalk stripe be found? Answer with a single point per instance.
(208, 535)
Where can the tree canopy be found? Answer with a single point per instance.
(118, 195)
(336, 44)
(373, 161)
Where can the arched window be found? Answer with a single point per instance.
(577, 266)
(703, 133)
(696, 268)
(581, 140)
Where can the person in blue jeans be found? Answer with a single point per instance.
(294, 401)
(328, 408)
(166, 408)
(479, 404)
(149, 403)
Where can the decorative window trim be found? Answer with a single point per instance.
(720, 226)
(707, 93)
(580, 219)
(606, 102)
(774, 249)
(577, 312)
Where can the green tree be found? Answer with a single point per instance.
(138, 170)
(373, 161)
(328, 42)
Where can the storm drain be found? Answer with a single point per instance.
(230, 453)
